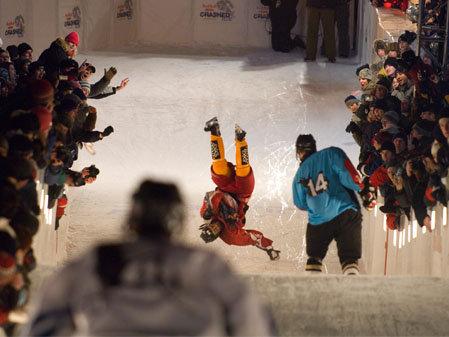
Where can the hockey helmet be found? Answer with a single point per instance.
(211, 230)
(305, 143)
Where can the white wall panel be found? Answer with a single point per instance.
(165, 22)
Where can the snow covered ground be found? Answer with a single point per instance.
(158, 121)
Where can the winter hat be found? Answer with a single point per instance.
(380, 104)
(408, 37)
(364, 73)
(13, 51)
(392, 116)
(379, 44)
(364, 66)
(23, 47)
(384, 82)
(41, 90)
(73, 37)
(424, 128)
(350, 100)
(390, 61)
(382, 137)
(45, 117)
(388, 145)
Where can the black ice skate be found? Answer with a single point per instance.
(274, 254)
(239, 133)
(213, 127)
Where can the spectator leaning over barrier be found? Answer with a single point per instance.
(199, 293)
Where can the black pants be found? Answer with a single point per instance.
(345, 229)
(283, 19)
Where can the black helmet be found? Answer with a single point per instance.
(305, 143)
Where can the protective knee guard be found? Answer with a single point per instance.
(219, 163)
(350, 268)
(314, 264)
(242, 167)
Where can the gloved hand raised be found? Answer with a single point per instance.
(106, 132)
(110, 73)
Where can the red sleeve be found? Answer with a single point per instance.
(379, 177)
(353, 172)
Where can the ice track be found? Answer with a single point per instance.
(158, 121)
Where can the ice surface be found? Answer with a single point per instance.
(158, 121)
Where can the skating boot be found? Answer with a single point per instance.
(239, 133)
(314, 266)
(213, 127)
(351, 269)
(274, 254)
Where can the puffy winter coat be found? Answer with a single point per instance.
(52, 57)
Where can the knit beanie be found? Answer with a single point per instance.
(388, 145)
(383, 81)
(73, 37)
(392, 116)
(350, 100)
(408, 37)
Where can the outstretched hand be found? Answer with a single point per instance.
(123, 84)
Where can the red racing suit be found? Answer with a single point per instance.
(232, 194)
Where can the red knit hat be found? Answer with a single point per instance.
(74, 38)
(7, 264)
(45, 117)
(41, 90)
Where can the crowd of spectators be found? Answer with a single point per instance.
(400, 120)
(45, 119)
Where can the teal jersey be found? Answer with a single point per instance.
(324, 185)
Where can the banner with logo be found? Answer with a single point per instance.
(70, 18)
(259, 26)
(124, 22)
(165, 22)
(220, 22)
(15, 21)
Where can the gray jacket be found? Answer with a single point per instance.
(159, 289)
